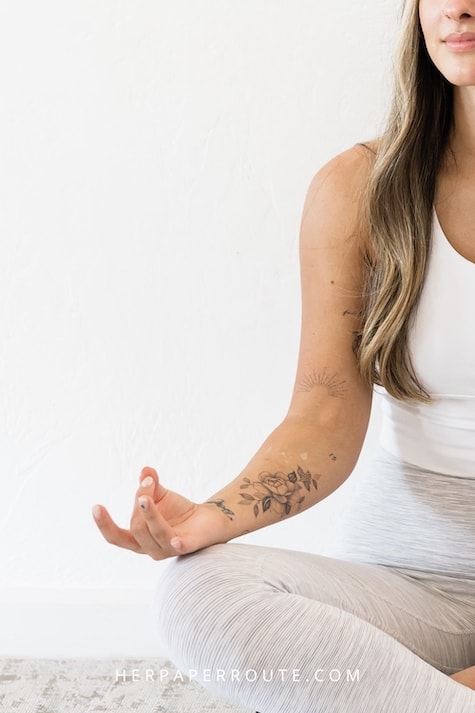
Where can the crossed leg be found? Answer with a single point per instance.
(280, 631)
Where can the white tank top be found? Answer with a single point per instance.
(439, 436)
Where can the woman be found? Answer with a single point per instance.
(388, 287)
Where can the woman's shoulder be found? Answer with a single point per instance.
(355, 162)
(338, 188)
(371, 146)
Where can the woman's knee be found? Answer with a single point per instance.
(202, 594)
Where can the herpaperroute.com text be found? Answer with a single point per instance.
(295, 675)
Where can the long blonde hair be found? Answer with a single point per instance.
(399, 205)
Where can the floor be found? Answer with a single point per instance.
(102, 686)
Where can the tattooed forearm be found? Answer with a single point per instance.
(220, 504)
(278, 492)
(328, 381)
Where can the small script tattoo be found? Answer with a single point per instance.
(329, 382)
(278, 492)
(220, 504)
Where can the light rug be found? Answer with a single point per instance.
(102, 686)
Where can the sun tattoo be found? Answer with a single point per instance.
(278, 492)
(328, 381)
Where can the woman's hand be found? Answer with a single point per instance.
(163, 523)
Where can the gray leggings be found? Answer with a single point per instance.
(281, 631)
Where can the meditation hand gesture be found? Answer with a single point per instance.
(163, 523)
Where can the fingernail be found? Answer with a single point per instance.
(97, 512)
(147, 482)
(175, 543)
(143, 502)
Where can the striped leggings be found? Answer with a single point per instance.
(280, 631)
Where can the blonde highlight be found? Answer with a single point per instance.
(399, 205)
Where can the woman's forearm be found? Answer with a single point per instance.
(299, 464)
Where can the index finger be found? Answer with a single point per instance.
(114, 534)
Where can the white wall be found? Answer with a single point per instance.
(155, 158)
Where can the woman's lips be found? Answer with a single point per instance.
(460, 41)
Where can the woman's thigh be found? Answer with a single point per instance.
(224, 597)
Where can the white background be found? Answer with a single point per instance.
(154, 162)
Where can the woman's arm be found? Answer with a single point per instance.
(316, 446)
